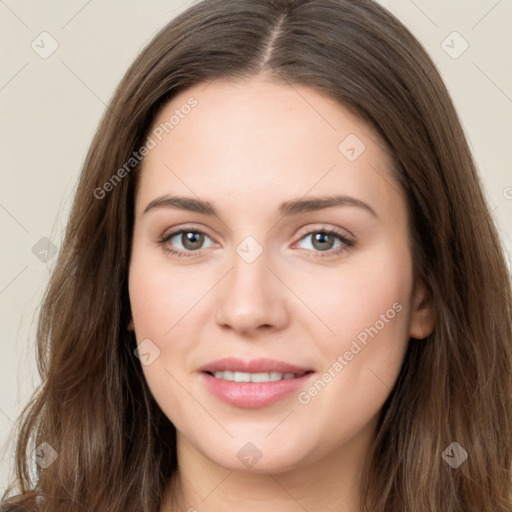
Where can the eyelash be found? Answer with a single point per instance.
(347, 243)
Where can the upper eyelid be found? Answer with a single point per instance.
(335, 230)
(174, 231)
(301, 231)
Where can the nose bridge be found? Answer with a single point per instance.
(249, 276)
(249, 296)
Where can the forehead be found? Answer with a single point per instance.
(259, 141)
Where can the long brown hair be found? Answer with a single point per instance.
(116, 449)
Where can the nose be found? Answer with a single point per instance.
(251, 298)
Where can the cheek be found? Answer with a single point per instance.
(162, 296)
(160, 304)
(368, 298)
(167, 306)
(373, 309)
(368, 310)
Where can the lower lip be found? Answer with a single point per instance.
(252, 395)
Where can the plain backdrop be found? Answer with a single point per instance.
(51, 105)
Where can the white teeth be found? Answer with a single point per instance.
(224, 375)
(253, 377)
(260, 377)
(242, 377)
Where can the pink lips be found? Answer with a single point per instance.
(252, 394)
(234, 364)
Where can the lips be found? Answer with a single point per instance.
(232, 380)
(261, 365)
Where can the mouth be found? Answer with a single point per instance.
(256, 377)
(255, 383)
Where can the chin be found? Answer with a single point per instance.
(257, 456)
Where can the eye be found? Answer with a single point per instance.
(328, 241)
(185, 240)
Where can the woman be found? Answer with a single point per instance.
(280, 287)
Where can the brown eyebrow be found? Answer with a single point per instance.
(320, 203)
(182, 203)
(285, 209)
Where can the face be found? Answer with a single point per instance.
(269, 230)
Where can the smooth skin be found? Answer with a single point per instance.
(247, 147)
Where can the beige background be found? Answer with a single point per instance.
(50, 109)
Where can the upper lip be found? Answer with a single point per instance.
(251, 366)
